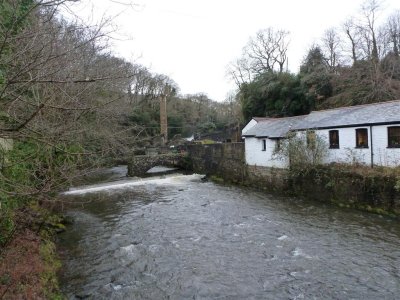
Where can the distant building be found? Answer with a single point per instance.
(368, 133)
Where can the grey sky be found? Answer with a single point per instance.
(193, 41)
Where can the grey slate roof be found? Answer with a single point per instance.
(260, 119)
(360, 115)
(274, 128)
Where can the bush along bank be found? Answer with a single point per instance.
(372, 189)
(28, 258)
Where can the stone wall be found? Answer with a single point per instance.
(376, 189)
(370, 189)
(227, 161)
(266, 178)
(222, 160)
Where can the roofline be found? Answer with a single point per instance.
(326, 127)
(350, 125)
(264, 136)
(291, 117)
(262, 119)
(248, 135)
(267, 137)
(357, 106)
(328, 109)
(279, 118)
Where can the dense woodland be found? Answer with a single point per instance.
(355, 63)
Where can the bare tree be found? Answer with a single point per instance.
(352, 33)
(240, 71)
(331, 46)
(267, 51)
(62, 96)
(393, 32)
(370, 9)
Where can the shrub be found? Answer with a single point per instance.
(303, 150)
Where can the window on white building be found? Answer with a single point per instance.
(394, 137)
(334, 139)
(362, 138)
(264, 145)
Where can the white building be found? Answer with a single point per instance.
(368, 134)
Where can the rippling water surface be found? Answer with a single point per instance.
(180, 238)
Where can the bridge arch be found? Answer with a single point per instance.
(140, 164)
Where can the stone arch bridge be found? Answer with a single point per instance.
(140, 164)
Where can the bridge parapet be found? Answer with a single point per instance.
(138, 165)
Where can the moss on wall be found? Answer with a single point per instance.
(359, 187)
(222, 160)
(372, 189)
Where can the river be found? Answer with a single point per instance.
(177, 237)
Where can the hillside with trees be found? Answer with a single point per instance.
(68, 104)
(356, 63)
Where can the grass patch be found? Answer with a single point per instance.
(51, 264)
(217, 179)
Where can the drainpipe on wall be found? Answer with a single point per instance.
(372, 147)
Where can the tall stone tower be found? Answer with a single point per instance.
(163, 115)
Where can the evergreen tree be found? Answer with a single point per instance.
(275, 95)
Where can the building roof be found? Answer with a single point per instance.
(261, 119)
(274, 127)
(360, 115)
(368, 114)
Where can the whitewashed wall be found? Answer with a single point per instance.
(383, 155)
(348, 153)
(256, 156)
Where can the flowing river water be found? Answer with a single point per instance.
(177, 237)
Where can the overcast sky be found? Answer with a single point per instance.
(194, 41)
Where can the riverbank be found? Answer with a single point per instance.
(28, 260)
(28, 256)
(374, 190)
